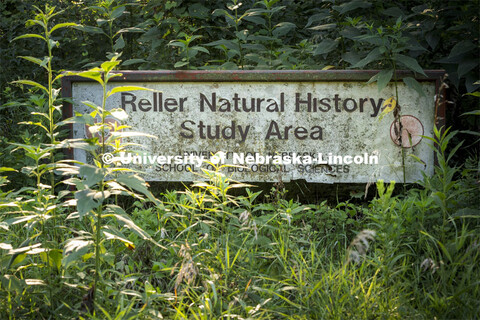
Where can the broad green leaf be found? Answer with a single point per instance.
(232, 45)
(91, 174)
(63, 25)
(112, 233)
(132, 61)
(461, 48)
(351, 5)
(61, 75)
(228, 66)
(324, 14)
(119, 113)
(433, 38)
(89, 199)
(283, 28)
(417, 159)
(119, 44)
(471, 113)
(38, 124)
(11, 282)
(465, 66)
(125, 221)
(198, 11)
(412, 83)
(126, 88)
(31, 83)
(41, 114)
(93, 74)
(194, 37)
(242, 35)
(177, 44)
(30, 35)
(92, 105)
(90, 29)
(254, 18)
(33, 59)
(31, 22)
(325, 46)
(383, 79)
(475, 94)
(75, 249)
(221, 12)
(136, 183)
(198, 48)
(108, 66)
(371, 56)
(117, 12)
(54, 258)
(17, 255)
(79, 118)
(409, 62)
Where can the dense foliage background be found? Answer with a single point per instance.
(284, 34)
(79, 248)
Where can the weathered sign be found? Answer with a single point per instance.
(321, 126)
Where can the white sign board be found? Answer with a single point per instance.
(319, 131)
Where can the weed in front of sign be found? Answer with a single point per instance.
(99, 181)
(388, 45)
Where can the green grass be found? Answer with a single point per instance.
(234, 257)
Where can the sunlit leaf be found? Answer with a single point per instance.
(93, 74)
(31, 83)
(119, 113)
(30, 35)
(388, 106)
(63, 25)
(127, 88)
(74, 249)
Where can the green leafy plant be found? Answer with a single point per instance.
(108, 12)
(187, 52)
(99, 181)
(42, 215)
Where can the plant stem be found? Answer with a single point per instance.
(52, 154)
(238, 39)
(398, 120)
(102, 190)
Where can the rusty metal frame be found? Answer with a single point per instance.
(252, 76)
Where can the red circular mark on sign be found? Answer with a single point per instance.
(412, 131)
